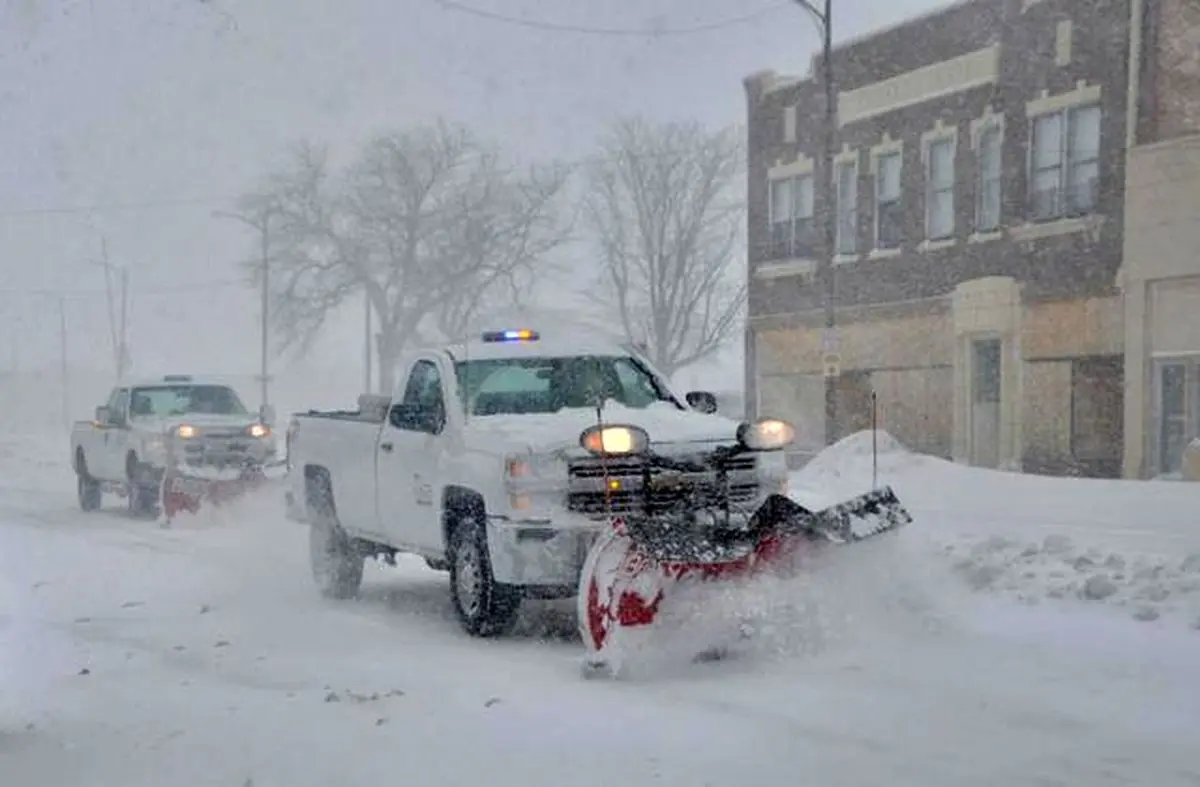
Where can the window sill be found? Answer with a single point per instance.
(883, 254)
(780, 269)
(936, 245)
(1056, 227)
(845, 259)
(985, 237)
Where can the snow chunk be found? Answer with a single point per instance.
(1056, 544)
(1098, 588)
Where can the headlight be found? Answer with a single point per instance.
(259, 430)
(766, 434)
(619, 439)
(185, 431)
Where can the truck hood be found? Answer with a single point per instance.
(548, 432)
(203, 421)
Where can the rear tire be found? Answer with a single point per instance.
(87, 489)
(485, 607)
(337, 566)
(335, 559)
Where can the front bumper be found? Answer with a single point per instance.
(546, 557)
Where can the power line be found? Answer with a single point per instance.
(110, 207)
(648, 31)
(570, 164)
(215, 284)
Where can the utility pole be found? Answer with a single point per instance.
(366, 342)
(261, 223)
(830, 348)
(265, 306)
(63, 374)
(117, 326)
(123, 345)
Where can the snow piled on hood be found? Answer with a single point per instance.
(551, 431)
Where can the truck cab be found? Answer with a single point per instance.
(474, 463)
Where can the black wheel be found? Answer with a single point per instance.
(485, 607)
(335, 559)
(87, 489)
(337, 565)
(142, 492)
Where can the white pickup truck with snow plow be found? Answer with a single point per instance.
(172, 423)
(475, 464)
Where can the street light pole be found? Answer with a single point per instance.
(828, 189)
(265, 302)
(262, 223)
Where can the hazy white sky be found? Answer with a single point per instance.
(185, 102)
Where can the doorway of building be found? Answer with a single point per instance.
(1172, 432)
(985, 402)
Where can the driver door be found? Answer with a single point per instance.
(114, 438)
(409, 460)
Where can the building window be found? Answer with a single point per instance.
(988, 188)
(792, 218)
(889, 214)
(1064, 163)
(939, 194)
(847, 207)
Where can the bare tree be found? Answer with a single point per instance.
(664, 205)
(426, 222)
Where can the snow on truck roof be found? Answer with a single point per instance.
(175, 379)
(524, 343)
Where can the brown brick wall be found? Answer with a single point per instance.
(1177, 57)
(1067, 266)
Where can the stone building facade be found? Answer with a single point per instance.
(1161, 274)
(979, 188)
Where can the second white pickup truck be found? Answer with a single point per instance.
(475, 465)
(149, 425)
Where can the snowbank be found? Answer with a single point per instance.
(1129, 545)
(1149, 586)
(37, 462)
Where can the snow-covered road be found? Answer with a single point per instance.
(201, 655)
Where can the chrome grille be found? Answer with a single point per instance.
(587, 494)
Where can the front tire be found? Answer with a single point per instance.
(142, 493)
(485, 607)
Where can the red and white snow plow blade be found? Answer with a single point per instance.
(625, 594)
(682, 529)
(187, 492)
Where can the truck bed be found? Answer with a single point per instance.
(371, 409)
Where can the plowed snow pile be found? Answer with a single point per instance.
(1133, 545)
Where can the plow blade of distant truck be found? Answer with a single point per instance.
(183, 492)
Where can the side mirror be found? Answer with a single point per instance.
(414, 418)
(266, 414)
(101, 414)
(703, 401)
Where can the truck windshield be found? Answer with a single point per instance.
(167, 400)
(546, 385)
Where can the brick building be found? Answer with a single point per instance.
(979, 181)
(1161, 274)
